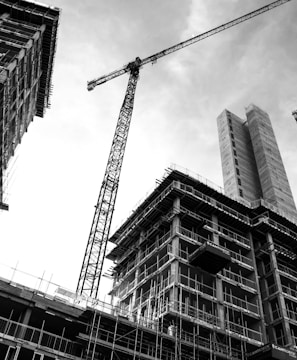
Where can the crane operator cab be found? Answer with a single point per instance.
(294, 113)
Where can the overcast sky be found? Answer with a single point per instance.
(57, 173)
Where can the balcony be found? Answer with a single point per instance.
(210, 257)
(292, 315)
(272, 352)
(197, 239)
(290, 292)
(243, 304)
(214, 203)
(243, 260)
(196, 285)
(221, 231)
(192, 313)
(211, 345)
(232, 236)
(244, 331)
(249, 284)
(235, 256)
(123, 232)
(285, 270)
(267, 224)
(153, 248)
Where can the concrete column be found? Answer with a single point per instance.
(215, 237)
(219, 282)
(26, 316)
(141, 236)
(220, 303)
(175, 225)
(281, 300)
(259, 299)
(24, 320)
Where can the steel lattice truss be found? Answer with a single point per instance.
(91, 270)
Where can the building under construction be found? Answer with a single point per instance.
(27, 48)
(198, 275)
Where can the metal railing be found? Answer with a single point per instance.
(244, 331)
(289, 291)
(197, 285)
(241, 258)
(233, 300)
(39, 337)
(148, 209)
(218, 229)
(287, 270)
(214, 203)
(264, 218)
(191, 312)
(292, 314)
(153, 248)
(239, 279)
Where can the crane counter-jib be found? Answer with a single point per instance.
(153, 58)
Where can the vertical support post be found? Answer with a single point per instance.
(283, 310)
(263, 331)
(114, 339)
(25, 321)
(219, 282)
(175, 250)
(41, 332)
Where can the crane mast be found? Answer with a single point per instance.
(91, 270)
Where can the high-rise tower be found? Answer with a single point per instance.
(251, 162)
(27, 47)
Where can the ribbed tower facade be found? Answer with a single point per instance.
(251, 162)
(27, 46)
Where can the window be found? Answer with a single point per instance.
(236, 161)
(37, 356)
(234, 152)
(237, 171)
(232, 136)
(240, 192)
(233, 143)
(12, 353)
(239, 181)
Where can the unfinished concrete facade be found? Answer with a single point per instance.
(251, 162)
(27, 48)
(195, 264)
(197, 275)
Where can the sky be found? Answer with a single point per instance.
(55, 177)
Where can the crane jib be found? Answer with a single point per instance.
(153, 58)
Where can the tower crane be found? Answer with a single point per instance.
(91, 270)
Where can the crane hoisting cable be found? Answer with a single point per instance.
(91, 270)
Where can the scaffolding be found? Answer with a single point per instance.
(164, 306)
(145, 336)
(27, 46)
